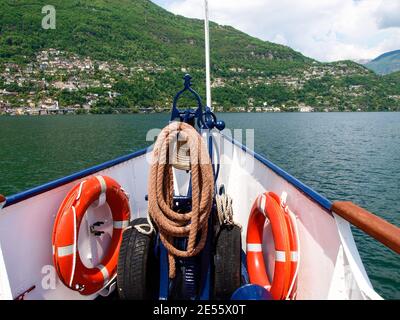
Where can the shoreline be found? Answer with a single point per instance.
(166, 113)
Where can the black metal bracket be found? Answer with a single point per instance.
(188, 115)
(205, 119)
(94, 231)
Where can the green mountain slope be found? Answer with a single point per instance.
(128, 30)
(131, 53)
(395, 76)
(386, 63)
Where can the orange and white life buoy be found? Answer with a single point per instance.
(267, 206)
(70, 268)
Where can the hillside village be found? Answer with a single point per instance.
(58, 82)
(32, 89)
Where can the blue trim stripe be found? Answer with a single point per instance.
(76, 176)
(313, 195)
(319, 199)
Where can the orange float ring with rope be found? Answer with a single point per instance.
(70, 268)
(294, 247)
(267, 206)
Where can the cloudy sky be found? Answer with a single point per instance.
(327, 30)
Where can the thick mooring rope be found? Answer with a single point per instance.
(173, 224)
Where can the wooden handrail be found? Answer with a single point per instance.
(376, 227)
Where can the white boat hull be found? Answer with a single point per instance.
(330, 266)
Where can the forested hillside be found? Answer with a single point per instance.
(132, 54)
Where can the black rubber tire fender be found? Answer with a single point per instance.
(227, 262)
(138, 268)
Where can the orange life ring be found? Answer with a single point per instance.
(294, 257)
(267, 206)
(70, 268)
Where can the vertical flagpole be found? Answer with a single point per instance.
(207, 40)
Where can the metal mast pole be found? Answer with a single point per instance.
(207, 41)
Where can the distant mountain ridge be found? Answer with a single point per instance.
(387, 54)
(386, 63)
(148, 49)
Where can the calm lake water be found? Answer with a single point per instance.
(344, 156)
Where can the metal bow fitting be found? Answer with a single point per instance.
(205, 119)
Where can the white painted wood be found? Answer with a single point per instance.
(337, 290)
(357, 274)
(5, 290)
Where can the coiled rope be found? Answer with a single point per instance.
(225, 210)
(176, 144)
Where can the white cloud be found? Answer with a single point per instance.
(326, 30)
(388, 14)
